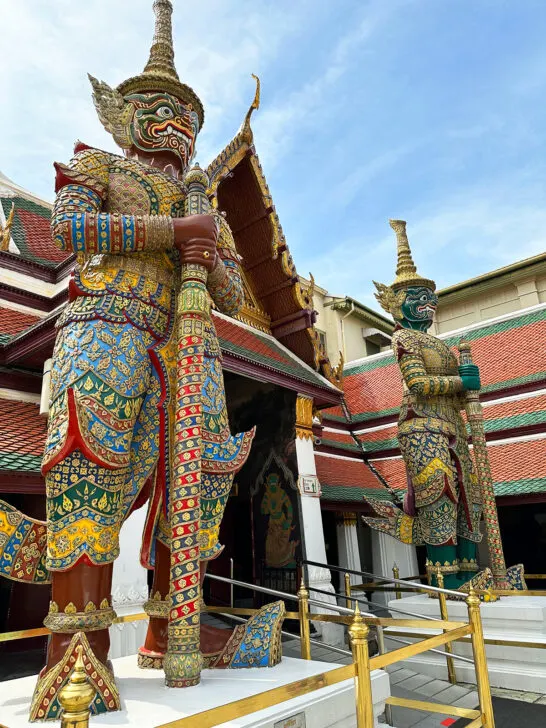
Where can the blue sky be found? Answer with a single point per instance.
(428, 110)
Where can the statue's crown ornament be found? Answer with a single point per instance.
(159, 75)
(392, 297)
(406, 270)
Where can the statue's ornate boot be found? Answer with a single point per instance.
(80, 614)
(254, 644)
(151, 654)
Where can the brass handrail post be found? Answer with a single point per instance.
(358, 632)
(480, 660)
(76, 697)
(348, 591)
(396, 574)
(452, 675)
(305, 631)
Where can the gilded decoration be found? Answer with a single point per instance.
(5, 230)
(304, 417)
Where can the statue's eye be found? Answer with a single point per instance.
(165, 112)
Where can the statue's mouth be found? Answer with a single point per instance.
(426, 308)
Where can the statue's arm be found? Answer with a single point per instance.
(79, 224)
(414, 373)
(225, 281)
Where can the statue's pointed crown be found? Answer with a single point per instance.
(406, 270)
(160, 73)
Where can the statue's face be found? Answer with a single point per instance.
(161, 123)
(419, 306)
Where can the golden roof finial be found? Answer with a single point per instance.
(5, 231)
(160, 73)
(254, 106)
(406, 270)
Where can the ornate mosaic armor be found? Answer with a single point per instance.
(110, 424)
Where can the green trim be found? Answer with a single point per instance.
(351, 493)
(512, 421)
(525, 486)
(368, 366)
(498, 328)
(378, 445)
(352, 446)
(17, 461)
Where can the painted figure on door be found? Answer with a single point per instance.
(111, 423)
(280, 550)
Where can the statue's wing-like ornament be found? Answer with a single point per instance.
(393, 521)
(390, 301)
(113, 111)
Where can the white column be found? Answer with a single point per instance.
(46, 388)
(311, 516)
(129, 588)
(387, 551)
(347, 544)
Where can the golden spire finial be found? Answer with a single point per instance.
(162, 52)
(77, 695)
(254, 106)
(5, 231)
(406, 270)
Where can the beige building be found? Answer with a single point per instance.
(512, 288)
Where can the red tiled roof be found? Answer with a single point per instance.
(38, 242)
(262, 350)
(31, 231)
(347, 473)
(344, 440)
(23, 431)
(14, 322)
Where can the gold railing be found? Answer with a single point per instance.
(75, 696)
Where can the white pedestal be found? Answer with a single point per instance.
(510, 618)
(147, 703)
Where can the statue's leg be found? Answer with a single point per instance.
(84, 519)
(428, 460)
(469, 511)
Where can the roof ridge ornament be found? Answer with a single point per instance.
(246, 129)
(5, 230)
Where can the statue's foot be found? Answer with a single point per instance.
(149, 659)
(482, 582)
(254, 644)
(45, 704)
(516, 577)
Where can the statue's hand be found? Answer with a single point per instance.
(470, 375)
(201, 251)
(192, 227)
(195, 237)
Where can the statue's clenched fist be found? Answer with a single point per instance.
(195, 237)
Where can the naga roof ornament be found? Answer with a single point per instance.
(392, 297)
(160, 75)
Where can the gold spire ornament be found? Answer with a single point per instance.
(5, 231)
(159, 75)
(392, 297)
(254, 106)
(406, 270)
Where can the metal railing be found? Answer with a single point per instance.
(359, 670)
